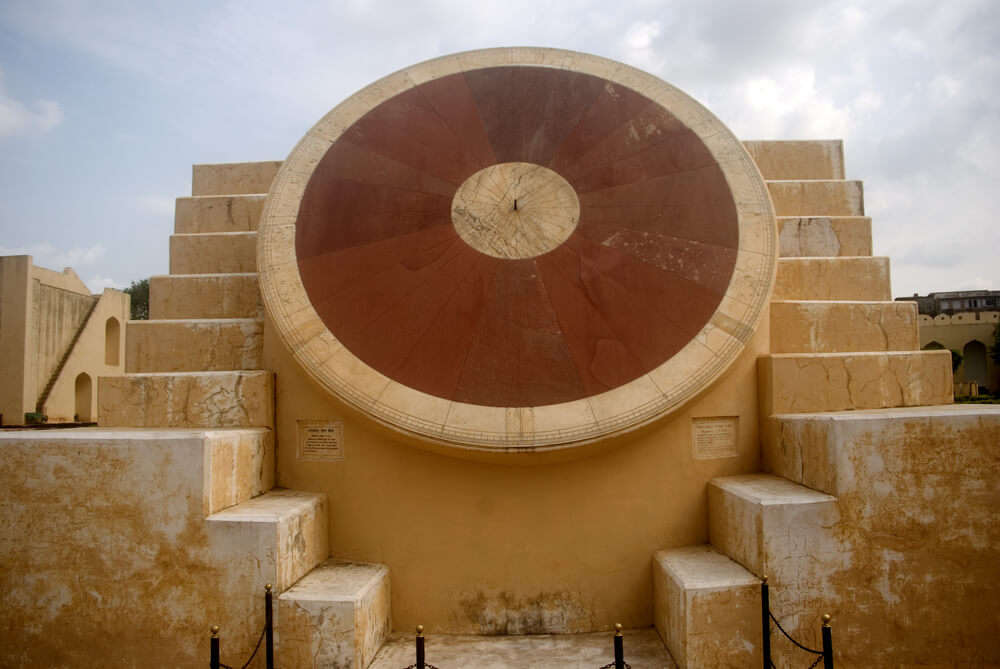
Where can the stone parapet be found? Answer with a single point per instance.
(233, 178)
(194, 345)
(218, 213)
(191, 399)
(706, 608)
(824, 236)
(213, 253)
(822, 197)
(854, 278)
(843, 327)
(338, 615)
(205, 296)
(810, 382)
(798, 159)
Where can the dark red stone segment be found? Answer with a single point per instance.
(452, 100)
(519, 356)
(529, 111)
(407, 129)
(696, 205)
(705, 264)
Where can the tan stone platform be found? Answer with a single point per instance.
(218, 213)
(842, 327)
(833, 197)
(194, 345)
(643, 650)
(844, 278)
(824, 236)
(213, 252)
(204, 296)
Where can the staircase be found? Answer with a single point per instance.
(196, 364)
(856, 430)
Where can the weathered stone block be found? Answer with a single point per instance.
(191, 399)
(824, 236)
(832, 279)
(233, 178)
(218, 213)
(194, 345)
(204, 296)
(706, 608)
(213, 253)
(840, 327)
(798, 159)
(338, 615)
(817, 198)
(810, 382)
(288, 527)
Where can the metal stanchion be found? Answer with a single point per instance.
(214, 661)
(827, 643)
(268, 628)
(420, 647)
(619, 647)
(765, 621)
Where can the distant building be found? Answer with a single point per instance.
(963, 321)
(55, 340)
(972, 301)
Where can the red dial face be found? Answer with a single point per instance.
(516, 236)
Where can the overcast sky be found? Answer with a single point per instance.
(104, 106)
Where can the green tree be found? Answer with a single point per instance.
(956, 360)
(139, 290)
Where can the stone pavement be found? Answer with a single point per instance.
(643, 650)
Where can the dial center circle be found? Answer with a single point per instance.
(515, 210)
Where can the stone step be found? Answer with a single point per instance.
(187, 399)
(643, 650)
(205, 296)
(233, 178)
(213, 253)
(798, 159)
(820, 197)
(239, 466)
(194, 345)
(824, 236)
(706, 608)
(835, 451)
(811, 382)
(337, 615)
(288, 527)
(762, 520)
(847, 278)
(218, 213)
(843, 327)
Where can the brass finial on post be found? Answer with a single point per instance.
(618, 629)
(215, 630)
(826, 619)
(420, 630)
(619, 647)
(268, 587)
(763, 578)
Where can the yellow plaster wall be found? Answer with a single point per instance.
(17, 391)
(519, 543)
(955, 331)
(88, 356)
(57, 315)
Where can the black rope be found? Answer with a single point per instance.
(426, 664)
(788, 636)
(612, 666)
(254, 654)
(818, 660)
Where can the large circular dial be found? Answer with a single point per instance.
(517, 249)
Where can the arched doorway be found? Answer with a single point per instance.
(112, 341)
(933, 346)
(974, 363)
(84, 397)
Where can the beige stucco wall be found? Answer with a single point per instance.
(88, 357)
(520, 543)
(955, 331)
(57, 314)
(17, 392)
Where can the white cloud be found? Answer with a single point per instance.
(16, 118)
(46, 255)
(98, 283)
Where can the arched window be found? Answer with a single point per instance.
(974, 363)
(112, 341)
(933, 346)
(83, 397)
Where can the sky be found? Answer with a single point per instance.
(104, 105)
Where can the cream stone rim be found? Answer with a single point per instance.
(653, 395)
(515, 210)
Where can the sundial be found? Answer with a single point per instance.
(517, 249)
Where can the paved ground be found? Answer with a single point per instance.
(643, 650)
